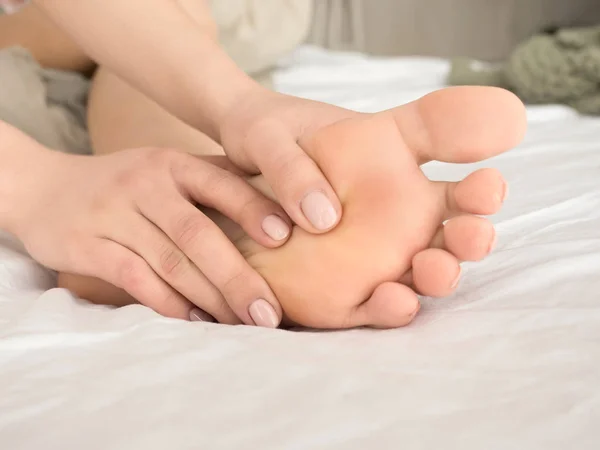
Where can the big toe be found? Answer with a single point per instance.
(461, 124)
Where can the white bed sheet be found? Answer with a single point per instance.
(512, 360)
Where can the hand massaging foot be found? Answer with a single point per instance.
(390, 242)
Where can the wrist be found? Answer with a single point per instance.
(24, 164)
(221, 86)
(248, 106)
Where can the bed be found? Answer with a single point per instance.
(511, 361)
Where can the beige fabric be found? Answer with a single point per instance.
(48, 105)
(256, 33)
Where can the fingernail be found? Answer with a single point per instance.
(197, 315)
(318, 210)
(275, 227)
(263, 314)
(457, 279)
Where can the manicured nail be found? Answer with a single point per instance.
(263, 314)
(197, 315)
(319, 211)
(457, 279)
(275, 227)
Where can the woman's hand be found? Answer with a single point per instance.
(261, 133)
(130, 219)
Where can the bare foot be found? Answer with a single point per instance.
(392, 212)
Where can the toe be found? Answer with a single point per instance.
(435, 273)
(482, 192)
(391, 305)
(461, 124)
(468, 238)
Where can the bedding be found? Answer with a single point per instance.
(512, 360)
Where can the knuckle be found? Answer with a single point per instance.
(173, 263)
(133, 179)
(129, 273)
(252, 206)
(161, 157)
(287, 169)
(217, 181)
(189, 228)
(238, 282)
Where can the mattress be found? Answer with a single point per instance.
(510, 361)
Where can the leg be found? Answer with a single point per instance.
(31, 29)
(121, 117)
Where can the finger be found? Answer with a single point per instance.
(391, 305)
(122, 268)
(461, 124)
(247, 294)
(172, 265)
(223, 162)
(483, 192)
(261, 218)
(296, 180)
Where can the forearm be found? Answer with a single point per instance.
(23, 163)
(163, 48)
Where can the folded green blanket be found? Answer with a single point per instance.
(560, 67)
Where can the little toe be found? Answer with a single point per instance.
(468, 238)
(391, 305)
(482, 192)
(435, 272)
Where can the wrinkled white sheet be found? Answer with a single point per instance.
(512, 361)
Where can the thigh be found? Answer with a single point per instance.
(50, 46)
(121, 117)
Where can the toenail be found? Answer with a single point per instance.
(493, 243)
(263, 314)
(415, 311)
(457, 279)
(319, 210)
(504, 192)
(275, 227)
